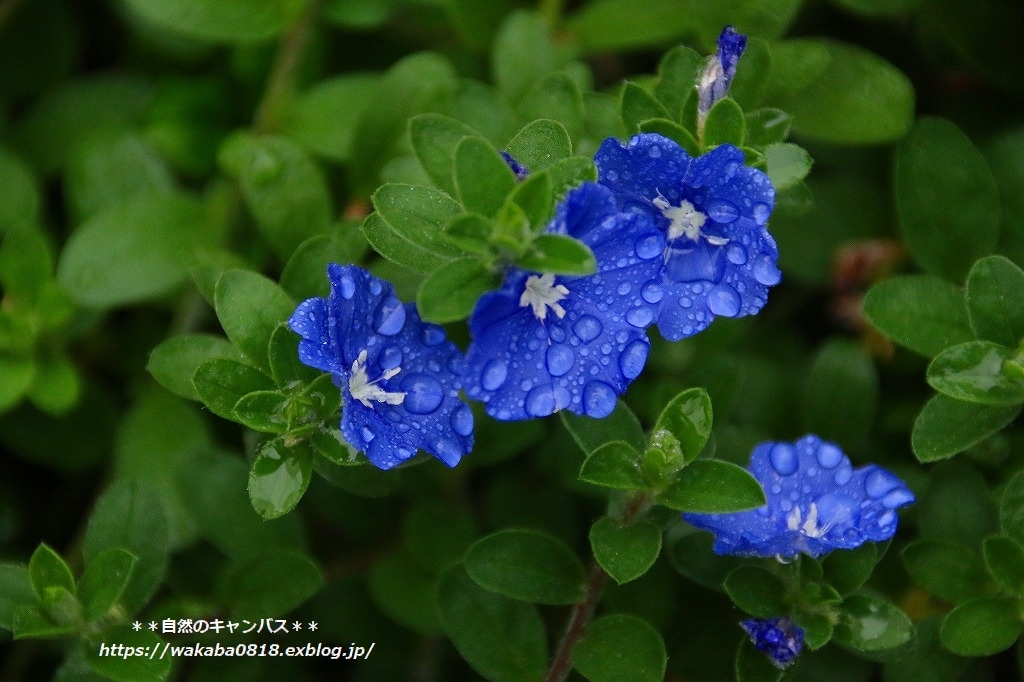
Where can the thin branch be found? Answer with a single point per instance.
(582, 612)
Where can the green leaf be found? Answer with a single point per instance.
(323, 118)
(1004, 559)
(673, 131)
(265, 411)
(787, 164)
(503, 639)
(683, 427)
(1011, 508)
(15, 591)
(129, 516)
(974, 372)
(104, 581)
(279, 476)
(534, 197)
(753, 665)
(148, 666)
(285, 366)
(590, 434)
(46, 569)
(598, 655)
(272, 584)
(55, 385)
(305, 274)
(569, 173)
(557, 97)
(614, 465)
(174, 361)
(560, 254)
(847, 570)
(434, 139)
(286, 192)
(405, 592)
(692, 556)
(614, 25)
(438, 534)
(540, 144)
(16, 376)
(870, 623)
(471, 232)
(134, 250)
(26, 264)
(947, 199)
(19, 193)
(241, 21)
(220, 383)
(638, 105)
(407, 227)
(994, 302)
(482, 178)
(678, 71)
(826, 101)
(725, 124)
(921, 312)
(753, 73)
(526, 565)
(477, 20)
(947, 426)
(757, 591)
(625, 552)
(982, 627)
(712, 486)
(842, 393)
(766, 126)
(449, 293)
(32, 620)
(946, 569)
(523, 54)
(249, 307)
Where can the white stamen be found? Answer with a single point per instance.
(810, 526)
(542, 293)
(364, 390)
(684, 219)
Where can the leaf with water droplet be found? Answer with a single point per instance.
(625, 552)
(559, 254)
(974, 372)
(220, 383)
(279, 477)
(687, 417)
(614, 465)
(870, 623)
(264, 411)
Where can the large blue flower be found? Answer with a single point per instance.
(399, 376)
(779, 638)
(543, 343)
(817, 502)
(719, 258)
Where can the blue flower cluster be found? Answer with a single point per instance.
(816, 502)
(779, 638)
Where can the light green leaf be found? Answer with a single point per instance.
(279, 477)
(677, 77)
(241, 21)
(638, 105)
(982, 627)
(557, 97)
(407, 227)
(323, 118)
(947, 426)
(523, 54)
(449, 293)
(540, 144)
(787, 164)
(673, 131)
(220, 383)
(560, 254)
(614, 465)
(598, 654)
(305, 275)
(526, 565)
(683, 427)
(725, 124)
(870, 623)
(713, 487)
(766, 126)
(590, 433)
(922, 312)
(1004, 559)
(994, 301)
(265, 411)
(757, 591)
(47, 569)
(842, 393)
(249, 307)
(104, 581)
(434, 139)
(174, 361)
(149, 667)
(625, 552)
(975, 372)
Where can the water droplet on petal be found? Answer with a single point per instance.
(423, 393)
(887, 519)
(494, 375)
(879, 482)
(844, 474)
(557, 333)
(650, 246)
(736, 254)
(347, 286)
(897, 498)
(431, 335)
(611, 176)
(390, 317)
(624, 288)
(723, 211)
(654, 151)
(559, 360)
(598, 399)
(390, 357)
(829, 456)
(462, 420)
(367, 434)
(724, 300)
(633, 358)
(587, 328)
(766, 273)
(639, 317)
(652, 292)
(783, 459)
(375, 286)
(540, 402)
(761, 213)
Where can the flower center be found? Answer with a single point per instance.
(364, 390)
(809, 527)
(542, 293)
(685, 221)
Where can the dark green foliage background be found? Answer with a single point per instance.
(175, 174)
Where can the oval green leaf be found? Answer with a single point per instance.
(713, 487)
(599, 655)
(947, 426)
(625, 552)
(526, 565)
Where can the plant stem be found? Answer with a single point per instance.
(282, 74)
(578, 621)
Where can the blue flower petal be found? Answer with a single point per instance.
(816, 502)
(399, 376)
(780, 638)
(637, 172)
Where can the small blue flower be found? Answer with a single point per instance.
(544, 342)
(399, 376)
(817, 502)
(779, 638)
(721, 69)
(719, 258)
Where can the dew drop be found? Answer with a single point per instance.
(494, 375)
(650, 246)
(736, 254)
(766, 273)
(723, 211)
(829, 456)
(375, 286)
(897, 498)
(633, 358)
(611, 176)
(783, 459)
(723, 300)
(390, 317)
(879, 482)
(598, 399)
(447, 451)
(654, 151)
(367, 434)
(540, 402)
(587, 328)
(431, 335)
(624, 288)
(887, 519)
(559, 359)
(652, 292)
(423, 393)
(685, 302)
(639, 317)
(557, 333)
(390, 357)
(462, 420)
(844, 474)
(347, 286)
(761, 213)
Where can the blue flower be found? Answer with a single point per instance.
(519, 169)
(719, 259)
(544, 342)
(817, 502)
(780, 638)
(721, 69)
(399, 376)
